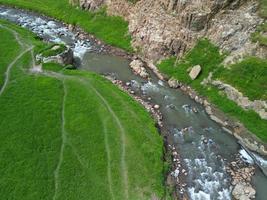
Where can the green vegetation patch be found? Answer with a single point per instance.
(111, 29)
(248, 76)
(53, 49)
(204, 54)
(263, 8)
(11, 50)
(68, 134)
(208, 56)
(260, 35)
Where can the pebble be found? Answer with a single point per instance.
(156, 106)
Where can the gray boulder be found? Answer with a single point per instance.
(195, 71)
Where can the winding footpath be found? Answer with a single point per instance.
(9, 67)
(107, 148)
(123, 139)
(63, 144)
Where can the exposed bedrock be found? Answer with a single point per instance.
(162, 28)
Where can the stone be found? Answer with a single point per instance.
(242, 191)
(156, 106)
(64, 58)
(195, 71)
(173, 83)
(138, 68)
(56, 47)
(91, 4)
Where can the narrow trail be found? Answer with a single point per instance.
(75, 152)
(9, 67)
(109, 160)
(123, 139)
(63, 144)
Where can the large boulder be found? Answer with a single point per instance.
(195, 71)
(243, 192)
(91, 4)
(138, 68)
(65, 57)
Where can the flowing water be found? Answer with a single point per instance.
(205, 148)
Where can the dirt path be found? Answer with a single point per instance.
(9, 67)
(110, 184)
(123, 139)
(63, 144)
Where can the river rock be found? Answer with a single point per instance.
(195, 71)
(243, 192)
(138, 68)
(156, 106)
(173, 83)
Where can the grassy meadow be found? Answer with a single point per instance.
(68, 134)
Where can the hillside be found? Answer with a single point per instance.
(68, 134)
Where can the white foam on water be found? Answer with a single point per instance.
(149, 87)
(200, 195)
(260, 160)
(225, 194)
(187, 108)
(208, 183)
(80, 49)
(135, 84)
(50, 30)
(160, 82)
(245, 156)
(52, 24)
(4, 13)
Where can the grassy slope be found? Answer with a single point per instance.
(248, 76)
(111, 29)
(208, 56)
(10, 52)
(263, 8)
(31, 127)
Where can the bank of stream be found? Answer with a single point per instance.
(205, 150)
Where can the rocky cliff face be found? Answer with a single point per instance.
(162, 28)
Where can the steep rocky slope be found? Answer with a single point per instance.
(162, 28)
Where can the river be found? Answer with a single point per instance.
(205, 149)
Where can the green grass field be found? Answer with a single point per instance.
(263, 8)
(68, 134)
(112, 30)
(251, 80)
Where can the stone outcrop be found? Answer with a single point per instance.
(243, 192)
(64, 58)
(138, 68)
(161, 28)
(241, 174)
(90, 4)
(259, 106)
